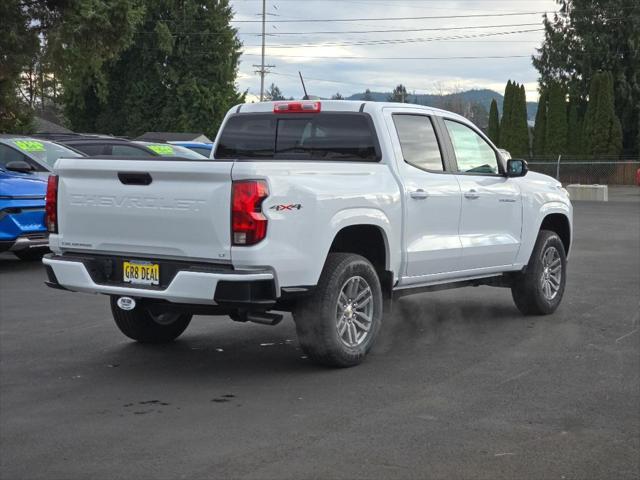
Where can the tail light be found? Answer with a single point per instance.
(297, 107)
(51, 206)
(248, 223)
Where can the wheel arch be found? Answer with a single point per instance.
(560, 224)
(556, 216)
(367, 234)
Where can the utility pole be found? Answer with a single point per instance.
(262, 68)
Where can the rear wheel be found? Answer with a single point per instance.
(338, 325)
(146, 327)
(539, 290)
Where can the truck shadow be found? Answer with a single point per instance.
(255, 351)
(9, 263)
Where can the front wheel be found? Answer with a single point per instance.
(145, 327)
(338, 324)
(539, 290)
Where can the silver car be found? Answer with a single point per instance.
(32, 155)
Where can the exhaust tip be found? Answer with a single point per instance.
(126, 303)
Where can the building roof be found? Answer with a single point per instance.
(45, 126)
(173, 136)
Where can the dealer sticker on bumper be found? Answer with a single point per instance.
(141, 273)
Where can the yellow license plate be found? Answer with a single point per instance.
(141, 273)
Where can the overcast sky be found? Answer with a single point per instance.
(479, 31)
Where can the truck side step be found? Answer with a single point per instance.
(264, 318)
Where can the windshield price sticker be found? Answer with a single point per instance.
(30, 145)
(162, 149)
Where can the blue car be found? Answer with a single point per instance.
(22, 228)
(201, 147)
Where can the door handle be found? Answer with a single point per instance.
(135, 178)
(471, 194)
(419, 194)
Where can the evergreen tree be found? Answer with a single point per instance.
(367, 96)
(494, 123)
(540, 128)
(556, 136)
(337, 96)
(520, 126)
(399, 94)
(505, 121)
(574, 129)
(588, 36)
(18, 44)
(602, 129)
(167, 79)
(588, 125)
(273, 94)
(83, 38)
(514, 129)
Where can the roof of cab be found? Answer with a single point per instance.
(345, 106)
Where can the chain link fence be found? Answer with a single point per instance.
(603, 170)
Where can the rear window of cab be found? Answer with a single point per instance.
(344, 136)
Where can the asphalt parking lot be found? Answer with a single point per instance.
(460, 385)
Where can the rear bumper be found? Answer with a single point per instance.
(228, 287)
(24, 243)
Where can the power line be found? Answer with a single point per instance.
(389, 19)
(396, 41)
(465, 57)
(332, 32)
(398, 30)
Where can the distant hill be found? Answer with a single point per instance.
(482, 97)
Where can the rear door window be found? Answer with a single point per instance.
(419, 142)
(325, 136)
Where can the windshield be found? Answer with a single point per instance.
(167, 150)
(43, 151)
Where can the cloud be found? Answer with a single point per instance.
(383, 70)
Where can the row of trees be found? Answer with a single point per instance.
(562, 126)
(585, 38)
(121, 67)
(573, 128)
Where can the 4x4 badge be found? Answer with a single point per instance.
(291, 206)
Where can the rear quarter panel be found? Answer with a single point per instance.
(308, 204)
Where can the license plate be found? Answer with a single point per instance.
(141, 273)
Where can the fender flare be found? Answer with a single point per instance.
(366, 217)
(546, 209)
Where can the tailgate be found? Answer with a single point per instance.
(170, 208)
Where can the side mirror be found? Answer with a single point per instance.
(517, 168)
(19, 166)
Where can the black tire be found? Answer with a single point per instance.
(316, 317)
(527, 289)
(30, 254)
(140, 325)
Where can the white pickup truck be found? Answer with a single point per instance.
(328, 210)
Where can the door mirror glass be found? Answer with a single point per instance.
(19, 166)
(517, 168)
